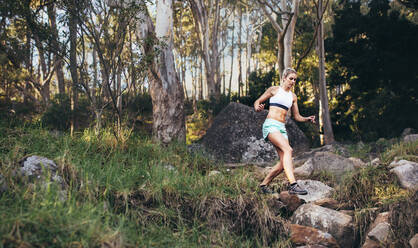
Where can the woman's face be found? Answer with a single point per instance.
(290, 80)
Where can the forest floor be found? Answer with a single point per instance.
(136, 193)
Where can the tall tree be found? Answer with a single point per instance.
(165, 87)
(73, 23)
(325, 119)
(208, 32)
(288, 12)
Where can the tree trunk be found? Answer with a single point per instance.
(56, 48)
(165, 87)
(232, 56)
(73, 62)
(208, 32)
(288, 36)
(324, 110)
(240, 53)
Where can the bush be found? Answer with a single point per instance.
(58, 114)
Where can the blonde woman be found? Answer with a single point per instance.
(282, 99)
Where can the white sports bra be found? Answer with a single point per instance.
(282, 99)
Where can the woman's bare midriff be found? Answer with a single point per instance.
(277, 114)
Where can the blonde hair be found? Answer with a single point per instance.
(287, 72)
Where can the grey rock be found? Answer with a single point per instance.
(407, 173)
(375, 162)
(316, 190)
(407, 131)
(332, 163)
(414, 241)
(380, 233)
(335, 148)
(306, 169)
(358, 163)
(339, 225)
(170, 167)
(410, 138)
(214, 173)
(312, 246)
(236, 136)
(39, 167)
(397, 163)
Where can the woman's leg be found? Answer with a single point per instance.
(276, 170)
(280, 142)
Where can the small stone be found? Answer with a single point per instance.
(358, 163)
(304, 235)
(328, 203)
(291, 202)
(316, 190)
(347, 212)
(411, 138)
(414, 241)
(375, 162)
(214, 173)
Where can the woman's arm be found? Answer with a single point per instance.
(296, 114)
(258, 106)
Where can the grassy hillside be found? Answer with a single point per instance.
(137, 193)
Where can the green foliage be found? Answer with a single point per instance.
(58, 114)
(374, 57)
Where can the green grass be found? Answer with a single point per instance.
(133, 193)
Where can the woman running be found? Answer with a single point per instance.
(281, 100)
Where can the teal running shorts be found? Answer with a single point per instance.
(271, 126)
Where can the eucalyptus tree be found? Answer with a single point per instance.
(208, 32)
(325, 119)
(288, 12)
(165, 87)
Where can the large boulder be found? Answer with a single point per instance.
(339, 225)
(236, 136)
(326, 161)
(335, 148)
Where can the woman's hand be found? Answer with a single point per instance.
(258, 107)
(310, 118)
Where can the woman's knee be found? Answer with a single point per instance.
(287, 150)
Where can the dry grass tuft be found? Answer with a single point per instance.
(403, 219)
(245, 215)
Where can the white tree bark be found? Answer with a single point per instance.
(208, 32)
(165, 87)
(325, 119)
(285, 29)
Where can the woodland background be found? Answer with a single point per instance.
(73, 64)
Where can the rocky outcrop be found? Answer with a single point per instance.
(337, 224)
(236, 136)
(304, 235)
(326, 161)
(316, 190)
(407, 172)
